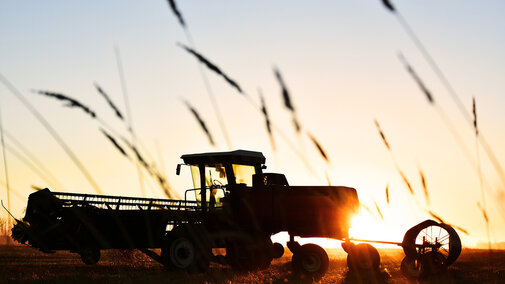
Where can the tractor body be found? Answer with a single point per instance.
(233, 205)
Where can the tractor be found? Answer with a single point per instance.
(228, 217)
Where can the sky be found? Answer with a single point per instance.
(339, 60)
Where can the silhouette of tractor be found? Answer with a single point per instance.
(234, 208)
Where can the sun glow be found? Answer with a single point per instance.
(365, 226)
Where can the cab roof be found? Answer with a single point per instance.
(243, 157)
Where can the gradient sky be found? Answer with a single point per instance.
(338, 59)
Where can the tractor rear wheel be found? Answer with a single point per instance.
(310, 260)
(181, 253)
(424, 265)
(89, 254)
(412, 267)
(277, 250)
(434, 262)
(363, 257)
(186, 249)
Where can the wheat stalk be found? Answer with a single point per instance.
(200, 122)
(177, 13)
(71, 102)
(129, 119)
(287, 100)
(109, 101)
(267, 120)
(416, 78)
(382, 135)
(212, 67)
(397, 167)
(205, 80)
(378, 210)
(445, 82)
(387, 193)
(425, 187)
(252, 103)
(440, 220)
(114, 143)
(318, 146)
(14, 91)
(31, 160)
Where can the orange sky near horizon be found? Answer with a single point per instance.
(339, 62)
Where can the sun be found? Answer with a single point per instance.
(365, 226)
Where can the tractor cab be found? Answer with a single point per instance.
(215, 174)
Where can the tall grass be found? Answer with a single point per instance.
(439, 219)
(6, 171)
(425, 187)
(31, 160)
(176, 12)
(447, 85)
(212, 67)
(409, 186)
(397, 167)
(319, 148)
(202, 123)
(129, 118)
(287, 100)
(109, 101)
(140, 160)
(208, 88)
(378, 210)
(34, 168)
(474, 163)
(268, 124)
(14, 91)
(482, 204)
(387, 193)
(70, 102)
(218, 71)
(114, 143)
(382, 135)
(416, 78)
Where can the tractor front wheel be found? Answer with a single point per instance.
(363, 257)
(412, 267)
(277, 250)
(89, 254)
(310, 260)
(181, 253)
(186, 248)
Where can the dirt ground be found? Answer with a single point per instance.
(24, 264)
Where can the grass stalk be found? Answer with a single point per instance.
(14, 91)
(32, 159)
(201, 122)
(482, 205)
(129, 119)
(205, 79)
(447, 85)
(6, 172)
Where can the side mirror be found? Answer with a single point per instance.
(178, 169)
(264, 167)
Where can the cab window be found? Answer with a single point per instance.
(243, 174)
(215, 179)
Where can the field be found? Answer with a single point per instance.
(23, 264)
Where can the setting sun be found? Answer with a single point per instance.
(366, 226)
